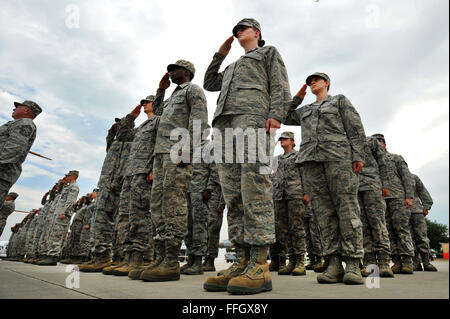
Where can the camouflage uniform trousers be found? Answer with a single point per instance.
(196, 239)
(397, 222)
(276, 248)
(246, 186)
(418, 228)
(134, 215)
(83, 247)
(168, 203)
(333, 191)
(293, 236)
(375, 233)
(103, 226)
(313, 244)
(5, 186)
(215, 220)
(2, 223)
(57, 233)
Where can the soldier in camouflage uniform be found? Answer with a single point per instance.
(422, 203)
(373, 182)
(21, 240)
(61, 219)
(16, 138)
(12, 251)
(254, 92)
(103, 235)
(73, 255)
(196, 239)
(136, 192)
(29, 239)
(331, 154)
(184, 112)
(7, 209)
(216, 204)
(88, 219)
(398, 215)
(289, 208)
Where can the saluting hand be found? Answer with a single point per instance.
(136, 111)
(165, 81)
(226, 46)
(357, 166)
(302, 92)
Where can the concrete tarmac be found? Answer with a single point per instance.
(19, 280)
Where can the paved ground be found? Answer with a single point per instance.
(20, 280)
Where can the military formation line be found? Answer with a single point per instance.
(342, 197)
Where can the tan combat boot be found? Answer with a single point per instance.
(109, 270)
(427, 266)
(160, 253)
(287, 269)
(352, 274)
(169, 268)
(397, 267)
(208, 264)
(334, 272)
(300, 269)
(97, 265)
(189, 263)
(256, 277)
(321, 266)
(136, 259)
(407, 265)
(383, 265)
(220, 282)
(196, 268)
(369, 259)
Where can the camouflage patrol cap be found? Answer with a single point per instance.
(73, 173)
(249, 22)
(184, 64)
(379, 136)
(148, 99)
(13, 195)
(33, 106)
(319, 74)
(287, 135)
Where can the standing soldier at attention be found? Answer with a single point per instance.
(331, 154)
(16, 138)
(289, 208)
(398, 214)
(373, 183)
(172, 170)
(254, 93)
(422, 203)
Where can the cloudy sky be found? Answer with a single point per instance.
(87, 62)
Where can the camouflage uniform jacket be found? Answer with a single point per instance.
(257, 83)
(331, 130)
(7, 208)
(186, 105)
(113, 161)
(140, 157)
(200, 173)
(422, 199)
(68, 197)
(16, 138)
(287, 181)
(401, 184)
(374, 174)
